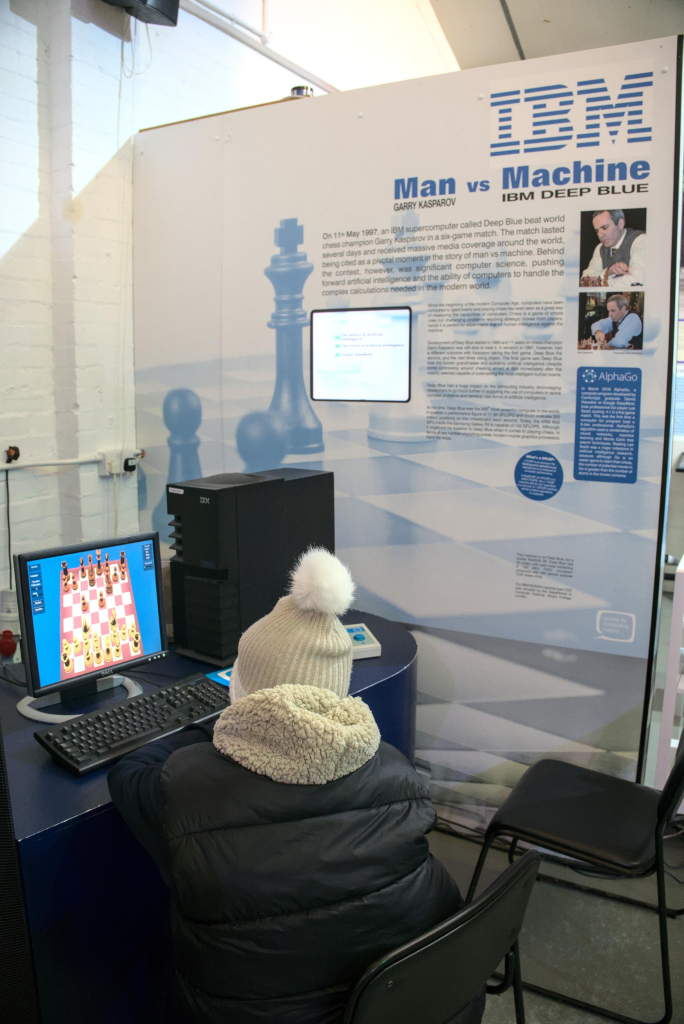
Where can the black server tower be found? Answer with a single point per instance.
(236, 538)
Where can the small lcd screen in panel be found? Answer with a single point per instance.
(361, 355)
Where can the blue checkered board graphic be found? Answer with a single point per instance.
(426, 529)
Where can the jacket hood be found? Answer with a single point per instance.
(298, 734)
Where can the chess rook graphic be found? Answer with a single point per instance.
(99, 624)
(290, 426)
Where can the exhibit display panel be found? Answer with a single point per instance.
(511, 512)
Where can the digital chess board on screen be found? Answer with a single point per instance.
(90, 611)
(99, 624)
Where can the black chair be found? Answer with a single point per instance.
(612, 825)
(434, 977)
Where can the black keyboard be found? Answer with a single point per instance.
(94, 740)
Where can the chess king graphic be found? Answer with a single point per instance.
(264, 437)
(99, 622)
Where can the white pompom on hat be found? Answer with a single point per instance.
(302, 640)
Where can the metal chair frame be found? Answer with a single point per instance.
(667, 806)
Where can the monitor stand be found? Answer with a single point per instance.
(29, 706)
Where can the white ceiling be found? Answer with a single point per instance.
(479, 33)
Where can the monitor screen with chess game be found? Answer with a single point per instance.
(361, 355)
(90, 610)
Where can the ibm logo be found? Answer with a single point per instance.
(552, 107)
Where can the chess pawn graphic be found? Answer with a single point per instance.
(112, 618)
(66, 649)
(107, 649)
(97, 648)
(84, 603)
(290, 409)
(74, 582)
(67, 662)
(88, 657)
(101, 599)
(115, 575)
(77, 644)
(117, 650)
(135, 643)
(108, 585)
(182, 411)
(85, 629)
(83, 571)
(124, 632)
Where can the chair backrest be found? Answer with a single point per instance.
(673, 790)
(429, 980)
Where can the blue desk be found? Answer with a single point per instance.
(96, 905)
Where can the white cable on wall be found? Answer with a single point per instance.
(83, 460)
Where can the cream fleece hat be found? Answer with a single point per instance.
(302, 640)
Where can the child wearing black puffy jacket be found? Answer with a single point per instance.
(293, 840)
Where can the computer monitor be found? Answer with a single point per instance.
(87, 612)
(361, 355)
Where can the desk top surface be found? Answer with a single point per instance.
(45, 796)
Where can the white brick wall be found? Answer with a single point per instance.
(68, 109)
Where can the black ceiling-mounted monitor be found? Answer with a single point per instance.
(158, 12)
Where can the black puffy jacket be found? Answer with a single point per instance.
(282, 894)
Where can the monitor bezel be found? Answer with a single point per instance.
(28, 650)
(361, 309)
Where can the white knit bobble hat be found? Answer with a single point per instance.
(302, 640)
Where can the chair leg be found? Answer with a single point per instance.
(518, 988)
(478, 868)
(508, 977)
(662, 921)
(664, 959)
(565, 883)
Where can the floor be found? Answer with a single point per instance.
(592, 948)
